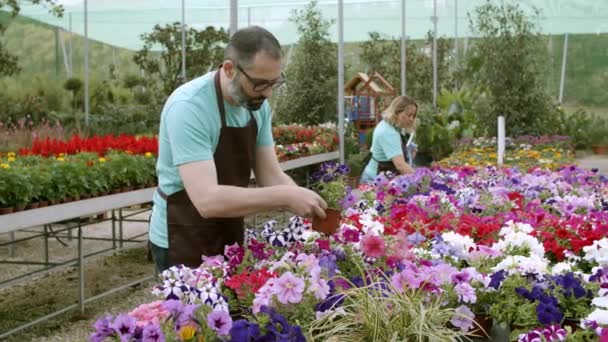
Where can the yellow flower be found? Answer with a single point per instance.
(148, 154)
(60, 159)
(11, 155)
(11, 159)
(4, 166)
(186, 333)
(102, 160)
(61, 154)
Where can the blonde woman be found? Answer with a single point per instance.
(389, 147)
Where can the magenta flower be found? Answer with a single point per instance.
(554, 333)
(289, 288)
(463, 318)
(220, 321)
(350, 235)
(323, 244)
(373, 246)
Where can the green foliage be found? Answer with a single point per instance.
(310, 95)
(434, 135)
(509, 61)
(411, 316)
(598, 131)
(383, 55)
(511, 308)
(204, 51)
(8, 61)
(355, 163)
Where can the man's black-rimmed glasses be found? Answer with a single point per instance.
(260, 85)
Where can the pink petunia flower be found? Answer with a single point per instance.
(289, 288)
(373, 246)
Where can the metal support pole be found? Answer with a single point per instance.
(248, 16)
(69, 234)
(45, 247)
(184, 41)
(234, 16)
(113, 229)
(341, 78)
(86, 63)
(403, 50)
(456, 54)
(80, 270)
(434, 19)
(71, 69)
(563, 76)
(12, 247)
(120, 228)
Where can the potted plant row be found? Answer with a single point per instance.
(34, 181)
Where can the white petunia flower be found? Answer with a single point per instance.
(598, 315)
(597, 252)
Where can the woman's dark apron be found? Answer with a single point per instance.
(191, 235)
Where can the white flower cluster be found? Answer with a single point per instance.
(461, 245)
(515, 235)
(598, 252)
(518, 264)
(371, 226)
(192, 286)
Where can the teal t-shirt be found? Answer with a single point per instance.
(189, 131)
(386, 145)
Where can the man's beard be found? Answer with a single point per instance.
(237, 93)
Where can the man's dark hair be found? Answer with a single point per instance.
(247, 42)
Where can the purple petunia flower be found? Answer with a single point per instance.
(463, 318)
(152, 333)
(220, 321)
(103, 329)
(124, 325)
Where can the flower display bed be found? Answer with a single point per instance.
(431, 255)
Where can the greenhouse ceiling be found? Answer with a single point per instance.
(121, 23)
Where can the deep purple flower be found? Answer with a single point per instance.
(548, 314)
(522, 291)
(243, 330)
(124, 325)
(497, 279)
(278, 329)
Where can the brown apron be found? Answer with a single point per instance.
(191, 235)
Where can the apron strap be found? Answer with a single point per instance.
(161, 193)
(220, 97)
